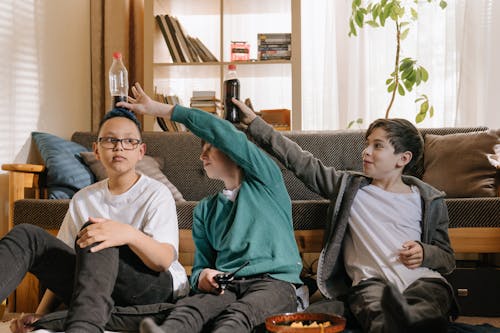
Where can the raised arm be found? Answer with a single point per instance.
(310, 170)
(220, 133)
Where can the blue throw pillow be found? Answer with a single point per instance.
(66, 172)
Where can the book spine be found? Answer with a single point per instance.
(177, 46)
(158, 19)
(181, 38)
(210, 55)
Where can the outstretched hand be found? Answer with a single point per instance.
(247, 115)
(412, 254)
(141, 103)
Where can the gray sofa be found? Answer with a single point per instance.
(342, 149)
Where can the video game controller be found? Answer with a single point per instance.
(223, 279)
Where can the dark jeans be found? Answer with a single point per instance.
(245, 304)
(89, 283)
(425, 299)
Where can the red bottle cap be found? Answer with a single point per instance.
(232, 67)
(117, 55)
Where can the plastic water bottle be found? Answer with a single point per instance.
(231, 89)
(118, 80)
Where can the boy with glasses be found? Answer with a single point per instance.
(126, 234)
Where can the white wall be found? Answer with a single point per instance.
(62, 103)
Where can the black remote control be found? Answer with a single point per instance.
(223, 279)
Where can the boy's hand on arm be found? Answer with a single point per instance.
(247, 114)
(206, 281)
(141, 103)
(412, 254)
(108, 233)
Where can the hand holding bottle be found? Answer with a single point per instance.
(247, 114)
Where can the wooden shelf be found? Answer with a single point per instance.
(269, 88)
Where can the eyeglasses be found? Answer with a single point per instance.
(127, 143)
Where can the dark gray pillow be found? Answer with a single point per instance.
(123, 319)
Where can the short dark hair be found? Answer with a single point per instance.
(403, 136)
(120, 112)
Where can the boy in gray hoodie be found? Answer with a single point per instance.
(387, 233)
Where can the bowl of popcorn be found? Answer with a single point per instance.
(305, 322)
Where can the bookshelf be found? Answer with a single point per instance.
(270, 84)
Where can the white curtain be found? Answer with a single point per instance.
(20, 75)
(343, 78)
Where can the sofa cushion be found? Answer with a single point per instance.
(458, 165)
(66, 173)
(150, 166)
(123, 319)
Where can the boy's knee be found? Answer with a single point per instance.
(28, 229)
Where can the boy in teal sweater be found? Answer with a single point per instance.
(249, 221)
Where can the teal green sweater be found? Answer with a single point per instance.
(257, 227)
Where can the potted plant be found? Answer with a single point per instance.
(407, 72)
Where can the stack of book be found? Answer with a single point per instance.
(204, 100)
(274, 46)
(182, 47)
(168, 125)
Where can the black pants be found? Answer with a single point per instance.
(426, 298)
(89, 283)
(244, 305)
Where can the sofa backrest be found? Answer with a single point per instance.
(182, 166)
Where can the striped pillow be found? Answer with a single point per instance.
(66, 173)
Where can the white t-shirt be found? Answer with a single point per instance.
(147, 206)
(379, 223)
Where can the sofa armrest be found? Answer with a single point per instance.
(22, 177)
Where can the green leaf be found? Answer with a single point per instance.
(356, 3)
(401, 90)
(382, 19)
(442, 4)
(406, 73)
(425, 74)
(391, 87)
(418, 77)
(408, 85)
(420, 118)
(350, 124)
(359, 18)
(412, 77)
(388, 81)
(424, 107)
(359, 121)
(419, 99)
(372, 24)
(414, 14)
(352, 28)
(403, 24)
(405, 63)
(431, 112)
(404, 34)
(375, 11)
